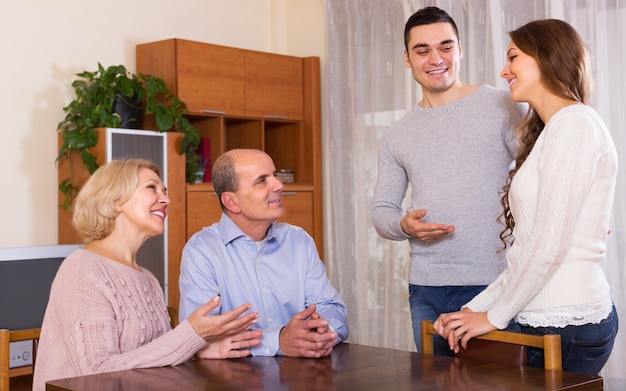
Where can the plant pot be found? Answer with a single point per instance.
(129, 110)
(199, 176)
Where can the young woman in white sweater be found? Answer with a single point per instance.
(557, 203)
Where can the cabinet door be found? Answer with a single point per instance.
(274, 85)
(298, 207)
(210, 78)
(203, 209)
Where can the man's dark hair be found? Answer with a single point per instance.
(428, 15)
(224, 176)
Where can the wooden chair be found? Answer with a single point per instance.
(509, 346)
(173, 311)
(6, 337)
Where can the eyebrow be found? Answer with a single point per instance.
(424, 45)
(154, 181)
(260, 177)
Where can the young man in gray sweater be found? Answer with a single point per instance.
(454, 150)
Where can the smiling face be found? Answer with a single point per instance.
(523, 75)
(434, 55)
(256, 203)
(146, 209)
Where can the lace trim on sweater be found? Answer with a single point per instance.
(576, 315)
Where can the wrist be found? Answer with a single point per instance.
(280, 333)
(404, 231)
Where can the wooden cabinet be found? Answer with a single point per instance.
(247, 99)
(220, 79)
(273, 85)
(206, 77)
(202, 208)
(298, 207)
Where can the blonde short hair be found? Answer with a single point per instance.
(96, 205)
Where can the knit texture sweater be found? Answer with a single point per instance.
(456, 159)
(104, 316)
(561, 199)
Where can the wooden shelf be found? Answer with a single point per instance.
(247, 99)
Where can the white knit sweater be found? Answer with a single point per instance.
(104, 316)
(561, 199)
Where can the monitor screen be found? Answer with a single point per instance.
(26, 274)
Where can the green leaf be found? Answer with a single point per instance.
(96, 92)
(164, 122)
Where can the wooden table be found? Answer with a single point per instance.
(350, 367)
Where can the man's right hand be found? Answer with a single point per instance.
(307, 335)
(412, 225)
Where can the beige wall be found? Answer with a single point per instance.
(44, 44)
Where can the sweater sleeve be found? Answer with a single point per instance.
(390, 190)
(566, 159)
(92, 352)
(111, 329)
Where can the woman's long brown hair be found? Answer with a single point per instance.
(563, 63)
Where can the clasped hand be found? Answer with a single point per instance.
(461, 326)
(307, 335)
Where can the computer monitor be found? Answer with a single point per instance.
(26, 274)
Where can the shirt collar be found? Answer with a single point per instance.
(230, 231)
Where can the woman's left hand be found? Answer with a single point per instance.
(459, 327)
(231, 346)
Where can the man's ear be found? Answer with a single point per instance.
(230, 201)
(407, 60)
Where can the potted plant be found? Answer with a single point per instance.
(100, 95)
(201, 163)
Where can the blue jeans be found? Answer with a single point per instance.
(428, 302)
(585, 349)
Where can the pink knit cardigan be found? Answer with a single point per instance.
(104, 316)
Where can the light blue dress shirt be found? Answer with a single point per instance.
(280, 277)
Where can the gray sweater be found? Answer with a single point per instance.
(456, 159)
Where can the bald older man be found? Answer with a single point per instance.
(247, 257)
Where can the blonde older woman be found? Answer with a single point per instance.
(107, 313)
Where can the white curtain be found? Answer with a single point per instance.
(368, 88)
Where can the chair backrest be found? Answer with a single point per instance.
(550, 343)
(173, 311)
(6, 337)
